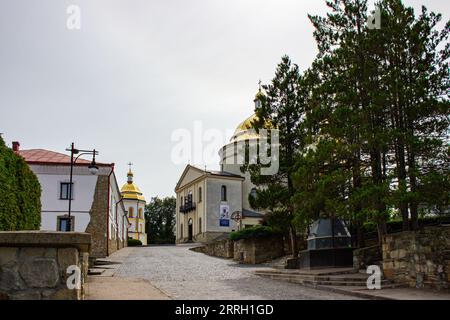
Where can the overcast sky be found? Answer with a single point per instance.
(138, 71)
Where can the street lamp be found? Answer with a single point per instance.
(93, 169)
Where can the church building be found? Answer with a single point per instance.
(134, 203)
(211, 204)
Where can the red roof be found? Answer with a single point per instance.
(41, 156)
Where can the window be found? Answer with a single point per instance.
(64, 190)
(140, 213)
(181, 231)
(200, 194)
(63, 223)
(224, 193)
(199, 225)
(131, 212)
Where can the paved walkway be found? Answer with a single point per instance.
(184, 274)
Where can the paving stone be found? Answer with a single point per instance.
(185, 274)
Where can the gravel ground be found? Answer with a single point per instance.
(184, 274)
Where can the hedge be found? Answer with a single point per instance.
(257, 231)
(134, 242)
(20, 193)
(397, 225)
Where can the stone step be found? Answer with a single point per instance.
(358, 282)
(316, 278)
(357, 276)
(318, 272)
(95, 271)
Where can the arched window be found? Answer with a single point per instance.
(140, 213)
(199, 194)
(224, 193)
(131, 212)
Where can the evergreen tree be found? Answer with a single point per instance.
(282, 107)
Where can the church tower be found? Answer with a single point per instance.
(134, 203)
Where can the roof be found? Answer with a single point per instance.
(46, 157)
(132, 192)
(251, 214)
(245, 130)
(206, 172)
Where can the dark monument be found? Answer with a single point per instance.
(329, 245)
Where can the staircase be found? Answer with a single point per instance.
(340, 280)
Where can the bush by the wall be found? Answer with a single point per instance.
(20, 193)
(397, 225)
(134, 242)
(257, 231)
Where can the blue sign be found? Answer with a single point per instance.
(224, 222)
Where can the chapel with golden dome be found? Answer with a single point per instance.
(134, 203)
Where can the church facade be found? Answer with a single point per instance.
(134, 203)
(209, 201)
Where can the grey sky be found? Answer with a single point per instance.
(138, 70)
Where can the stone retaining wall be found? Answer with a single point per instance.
(258, 250)
(33, 264)
(364, 257)
(220, 248)
(419, 259)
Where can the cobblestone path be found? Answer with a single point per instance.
(184, 274)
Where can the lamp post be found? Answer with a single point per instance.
(93, 169)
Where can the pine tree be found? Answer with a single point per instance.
(283, 108)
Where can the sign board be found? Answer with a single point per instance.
(224, 215)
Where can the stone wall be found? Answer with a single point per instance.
(221, 248)
(98, 224)
(364, 257)
(258, 250)
(33, 264)
(419, 259)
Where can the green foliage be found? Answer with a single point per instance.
(134, 242)
(363, 131)
(253, 232)
(397, 224)
(160, 220)
(20, 196)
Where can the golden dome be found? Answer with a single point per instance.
(130, 190)
(245, 130)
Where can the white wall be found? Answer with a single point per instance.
(50, 177)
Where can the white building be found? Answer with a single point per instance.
(96, 205)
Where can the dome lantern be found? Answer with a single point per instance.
(258, 97)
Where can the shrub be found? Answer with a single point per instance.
(397, 225)
(134, 242)
(253, 232)
(20, 196)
